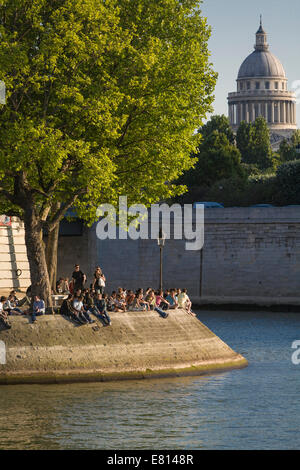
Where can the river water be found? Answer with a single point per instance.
(254, 408)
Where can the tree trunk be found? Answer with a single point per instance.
(36, 256)
(51, 257)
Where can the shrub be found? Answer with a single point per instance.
(288, 182)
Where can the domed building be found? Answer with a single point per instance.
(262, 91)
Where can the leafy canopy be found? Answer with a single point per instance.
(103, 97)
(253, 141)
(217, 157)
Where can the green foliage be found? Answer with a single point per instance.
(287, 149)
(103, 97)
(220, 124)
(228, 191)
(253, 141)
(251, 169)
(217, 157)
(240, 192)
(288, 181)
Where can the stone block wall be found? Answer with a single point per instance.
(248, 252)
(13, 257)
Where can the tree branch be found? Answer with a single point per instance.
(50, 225)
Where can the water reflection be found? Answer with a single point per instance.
(102, 415)
(253, 408)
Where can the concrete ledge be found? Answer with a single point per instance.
(138, 345)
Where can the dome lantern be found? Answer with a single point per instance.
(261, 39)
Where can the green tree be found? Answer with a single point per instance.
(253, 141)
(103, 97)
(244, 141)
(216, 157)
(288, 182)
(288, 148)
(219, 123)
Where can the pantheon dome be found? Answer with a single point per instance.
(262, 91)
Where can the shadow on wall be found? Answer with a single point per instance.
(15, 272)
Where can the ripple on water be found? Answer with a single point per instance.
(253, 408)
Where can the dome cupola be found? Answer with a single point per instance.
(262, 91)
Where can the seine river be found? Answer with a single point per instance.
(253, 408)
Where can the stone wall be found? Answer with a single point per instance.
(248, 253)
(13, 257)
(136, 345)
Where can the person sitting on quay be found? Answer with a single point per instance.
(62, 286)
(136, 305)
(3, 314)
(101, 306)
(185, 302)
(8, 306)
(120, 303)
(142, 299)
(121, 293)
(14, 298)
(38, 308)
(150, 298)
(90, 303)
(78, 306)
(68, 310)
(172, 299)
(161, 301)
(130, 299)
(88, 300)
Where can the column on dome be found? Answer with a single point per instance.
(238, 113)
(295, 113)
(284, 112)
(266, 112)
(289, 112)
(279, 112)
(243, 111)
(251, 112)
(259, 109)
(247, 111)
(272, 112)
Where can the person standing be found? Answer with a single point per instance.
(78, 278)
(99, 281)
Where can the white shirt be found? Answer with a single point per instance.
(77, 304)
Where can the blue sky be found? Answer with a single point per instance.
(234, 24)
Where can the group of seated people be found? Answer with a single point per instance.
(84, 304)
(160, 301)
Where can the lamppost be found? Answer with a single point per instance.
(161, 243)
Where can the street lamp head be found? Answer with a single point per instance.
(161, 238)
